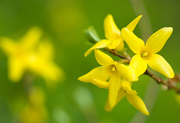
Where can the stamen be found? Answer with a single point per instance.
(113, 69)
(145, 54)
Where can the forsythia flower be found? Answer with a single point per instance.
(131, 95)
(112, 33)
(146, 54)
(111, 70)
(29, 54)
(34, 110)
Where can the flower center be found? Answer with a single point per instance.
(113, 68)
(144, 54)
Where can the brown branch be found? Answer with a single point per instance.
(157, 79)
(114, 52)
(161, 81)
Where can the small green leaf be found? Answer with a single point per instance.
(92, 35)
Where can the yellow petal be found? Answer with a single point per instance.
(126, 85)
(45, 68)
(101, 44)
(120, 46)
(113, 44)
(8, 45)
(111, 30)
(158, 63)
(114, 86)
(30, 39)
(51, 72)
(121, 95)
(46, 49)
(99, 73)
(133, 24)
(116, 44)
(100, 84)
(156, 42)
(127, 72)
(139, 64)
(107, 107)
(137, 102)
(134, 43)
(102, 58)
(16, 69)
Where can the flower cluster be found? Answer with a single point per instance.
(29, 54)
(118, 77)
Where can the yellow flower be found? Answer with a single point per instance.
(131, 95)
(112, 33)
(30, 55)
(34, 111)
(112, 71)
(146, 54)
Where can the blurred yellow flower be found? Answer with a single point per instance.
(145, 54)
(28, 54)
(131, 95)
(112, 71)
(177, 96)
(34, 110)
(112, 33)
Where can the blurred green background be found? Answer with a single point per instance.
(63, 22)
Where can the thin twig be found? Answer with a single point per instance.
(161, 81)
(157, 79)
(114, 52)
